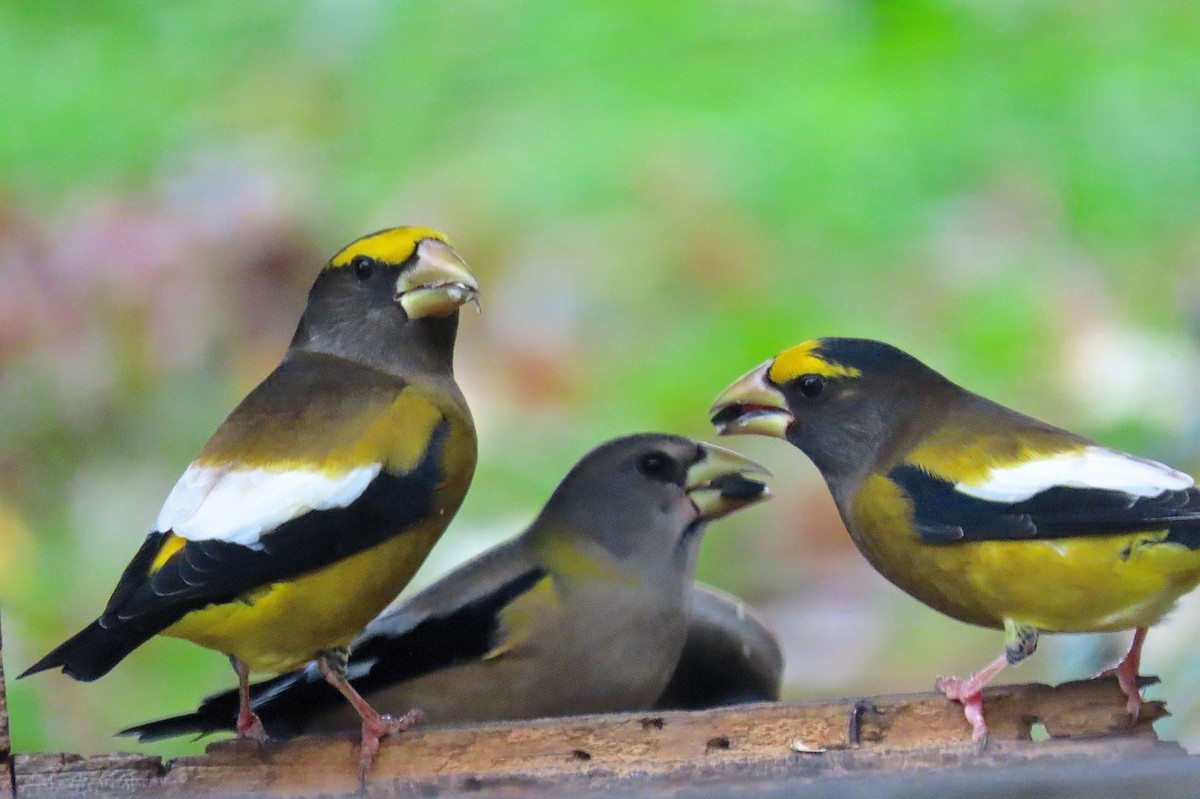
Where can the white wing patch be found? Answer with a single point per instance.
(1092, 467)
(240, 505)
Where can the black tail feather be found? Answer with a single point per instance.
(91, 653)
(216, 714)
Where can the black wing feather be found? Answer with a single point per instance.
(945, 515)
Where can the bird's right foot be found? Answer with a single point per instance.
(1126, 673)
(377, 727)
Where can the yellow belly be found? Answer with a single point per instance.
(1110, 582)
(282, 626)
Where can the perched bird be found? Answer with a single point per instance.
(731, 656)
(985, 514)
(314, 502)
(586, 611)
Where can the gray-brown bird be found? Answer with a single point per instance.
(731, 656)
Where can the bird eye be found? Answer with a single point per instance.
(811, 385)
(656, 465)
(364, 266)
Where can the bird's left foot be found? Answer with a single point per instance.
(970, 695)
(250, 728)
(376, 728)
(1127, 678)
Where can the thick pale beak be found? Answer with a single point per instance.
(752, 405)
(717, 483)
(438, 284)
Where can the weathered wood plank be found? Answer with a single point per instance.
(669, 754)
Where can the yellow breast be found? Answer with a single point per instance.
(1084, 584)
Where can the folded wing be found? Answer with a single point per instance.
(1091, 491)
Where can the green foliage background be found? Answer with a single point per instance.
(655, 197)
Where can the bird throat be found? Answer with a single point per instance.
(391, 342)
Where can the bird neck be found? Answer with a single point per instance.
(389, 342)
(565, 554)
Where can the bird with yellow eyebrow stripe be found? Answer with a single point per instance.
(315, 501)
(988, 515)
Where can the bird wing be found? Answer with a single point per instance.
(324, 459)
(1088, 491)
(484, 627)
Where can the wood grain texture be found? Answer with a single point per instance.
(770, 746)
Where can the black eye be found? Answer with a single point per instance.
(810, 385)
(656, 465)
(364, 266)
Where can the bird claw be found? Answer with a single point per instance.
(1128, 680)
(970, 696)
(973, 710)
(950, 687)
(1126, 672)
(375, 729)
(957, 689)
(1133, 705)
(250, 728)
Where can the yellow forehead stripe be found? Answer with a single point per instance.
(806, 359)
(392, 246)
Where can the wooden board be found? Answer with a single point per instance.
(709, 753)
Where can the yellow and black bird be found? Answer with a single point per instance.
(983, 513)
(586, 611)
(314, 502)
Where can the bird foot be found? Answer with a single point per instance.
(375, 729)
(1127, 678)
(250, 727)
(970, 695)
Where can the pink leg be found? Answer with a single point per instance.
(374, 725)
(1127, 673)
(970, 694)
(248, 723)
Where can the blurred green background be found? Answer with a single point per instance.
(655, 197)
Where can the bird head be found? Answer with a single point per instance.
(837, 399)
(415, 266)
(644, 499)
(396, 289)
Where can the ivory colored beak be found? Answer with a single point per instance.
(718, 483)
(438, 284)
(752, 405)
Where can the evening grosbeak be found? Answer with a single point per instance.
(314, 502)
(731, 656)
(586, 611)
(985, 514)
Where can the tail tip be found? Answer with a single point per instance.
(45, 664)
